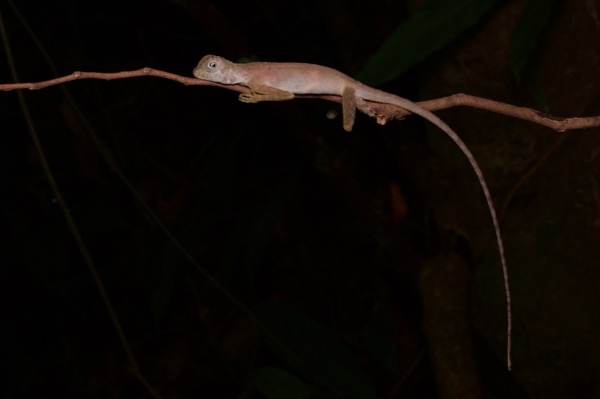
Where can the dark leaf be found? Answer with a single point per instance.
(428, 30)
(314, 351)
(274, 383)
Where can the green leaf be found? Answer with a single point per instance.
(313, 351)
(428, 30)
(274, 383)
(534, 19)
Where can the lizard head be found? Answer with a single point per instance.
(216, 69)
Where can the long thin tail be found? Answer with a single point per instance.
(416, 109)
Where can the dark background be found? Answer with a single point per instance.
(382, 235)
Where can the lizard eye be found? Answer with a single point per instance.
(212, 65)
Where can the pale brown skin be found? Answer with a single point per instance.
(278, 81)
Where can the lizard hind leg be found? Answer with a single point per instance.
(348, 108)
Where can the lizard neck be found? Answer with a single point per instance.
(234, 75)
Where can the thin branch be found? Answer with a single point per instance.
(78, 75)
(388, 112)
(560, 124)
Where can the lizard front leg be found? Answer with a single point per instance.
(260, 92)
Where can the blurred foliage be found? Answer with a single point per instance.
(314, 352)
(523, 52)
(430, 29)
(275, 383)
(535, 18)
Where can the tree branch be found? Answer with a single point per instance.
(559, 124)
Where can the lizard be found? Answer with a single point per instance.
(278, 81)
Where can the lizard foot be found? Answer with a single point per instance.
(248, 98)
(366, 108)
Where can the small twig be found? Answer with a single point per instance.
(78, 75)
(559, 124)
(530, 172)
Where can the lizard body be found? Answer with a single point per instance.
(274, 81)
